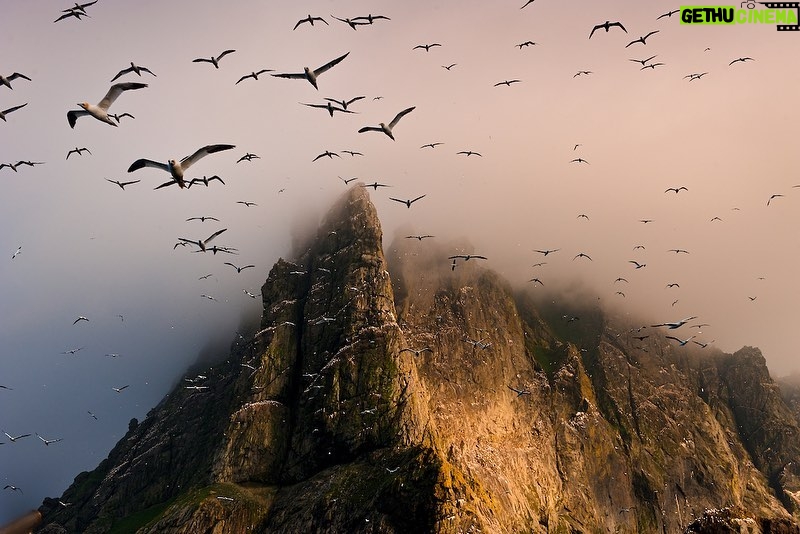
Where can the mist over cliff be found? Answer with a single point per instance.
(397, 393)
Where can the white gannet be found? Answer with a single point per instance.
(202, 242)
(120, 388)
(177, 168)
(4, 112)
(49, 441)
(100, 111)
(133, 68)
(213, 60)
(387, 129)
(311, 75)
(7, 80)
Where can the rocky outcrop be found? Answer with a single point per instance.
(438, 400)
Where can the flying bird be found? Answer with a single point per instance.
(202, 243)
(93, 415)
(536, 281)
(348, 180)
(204, 180)
(450, 66)
(345, 103)
(416, 352)
(352, 153)
(119, 389)
(100, 111)
(525, 44)
(72, 13)
(507, 83)
(678, 251)
(520, 392)
(426, 47)
(238, 269)
(175, 168)
(253, 75)
(312, 75)
(202, 218)
(695, 76)
(637, 265)
(676, 189)
(5, 112)
(642, 39)
(16, 252)
(652, 66)
(371, 18)
(327, 154)
(213, 60)
(78, 151)
(581, 72)
(12, 439)
(643, 61)
(607, 25)
(72, 351)
(121, 115)
(742, 59)
(668, 14)
(80, 318)
(246, 203)
(469, 153)
(13, 488)
(387, 129)
(418, 237)
(309, 19)
(248, 157)
(407, 202)
(579, 160)
(431, 145)
(620, 279)
(467, 257)
(548, 251)
(772, 197)
(681, 342)
(351, 22)
(375, 185)
(133, 68)
(676, 324)
(581, 255)
(6, 80)
(49, 441)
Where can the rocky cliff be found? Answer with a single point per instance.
(391, 394)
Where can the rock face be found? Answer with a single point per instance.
(432, 400)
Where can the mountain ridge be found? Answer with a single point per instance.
(322, 422)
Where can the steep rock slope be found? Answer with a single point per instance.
(434, 400)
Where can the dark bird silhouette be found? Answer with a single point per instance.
(581, 255)
(418, 237)
(312, 75)
(213, 60)
(467, 257)
(620, 293)
(548, 251)
(120, 116)
(643, 61)
(202, 242)
(6, 80)
(78, 151)
(348, 180)
(426, 47)
(177, 169)
(520, 392)
(526, 43)
(536, 281)
(119, 389)
(507, 83)
(607, 25)
(375, 185)
(100, 111)
(416, 352)
(652, 66)
(645, 221)
(6, 111)
(133, 68)
(579, 160)
(345, 103)
(238, 269)
(309, 19)
(407, 202)
(370, 19)
(469, 153)
(642, 39)
(80, 318)
(580, 72)
(678, 251)
(620, 279)
(526, 3)
(248, 157)
(450, 66)
(582, 216)
(431, 145)
(330, 108)
(676, 324)
(772, 197)
(637, 265)
(695, 76)
(668, 14)
(327, 154)
(676, 189)
(742, 59)
(351, 22)
(13, 488)
(681, 342)
(254, 75)
(204, 180)
(72, 13)
(673, 284)
(246, 204)
(387, 129)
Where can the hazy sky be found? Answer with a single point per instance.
(91, 249)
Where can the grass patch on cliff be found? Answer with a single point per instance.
(140, 519)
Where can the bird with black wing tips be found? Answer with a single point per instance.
(407, 202)
(329, 107)
(6, 80)
(676, 189)
(467, 257)
(419, 237)
(136, 69)
(607, 25)
(238, 269)
(676, 324)
(387, 128)
(345, 102)
(202, 243)
(581, 255)
(741, 59)
(507, 83)
(469, 153)
(248, 157)
(681, 342)
(375, 185)
(178, 168)
(120, 389)
(78, 151)
(426, 47)
(371, 18)
(312, 75)
(202, 218)
(327, 154)
(100, 110)
(213, 60)
(120, 116)
(668, 14)
(351, 22)
(637, 265)
(204, 180)
(643, 61)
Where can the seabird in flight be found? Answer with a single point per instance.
(520, 392)
(469, 153)
(652, 66)
(311, 75)
(119, 389)
(5, 112)
(416, 352)
(49, 441)
(175, 168)
(407, 202)
(327, 153)
(100, 111)
(6, 80)
(375, 185)
(668, 14)
(418, 237)
(80, 318)
(204, 180)
(467, 257)
(213, 60)
(637, 264)
(16, 252)
(676, 189)
(248, 157)
(579, 160)
(536, 281)
(15, 438)
(202, 243)
(742, 59)
(202, 218)
(450, 66)
(507, 83)
(238, 269)
(121, 115)
(133, 68)
(72, 351)
(677, 324)
(426, 47)
(387, 129)
(431, 145)
(681, 342)
(78, 151)
(548, 251)
(246, 203)
(345, 103)
(678, 251)
(642, 39)
(351, 22)
(642, 61)
(348, 180)
(773, 196)
(253, 75)
(581, 72)
(310, 20)
(526, 43)
(581, 255)
(13, 487)
(607, 25)
(371, 18)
